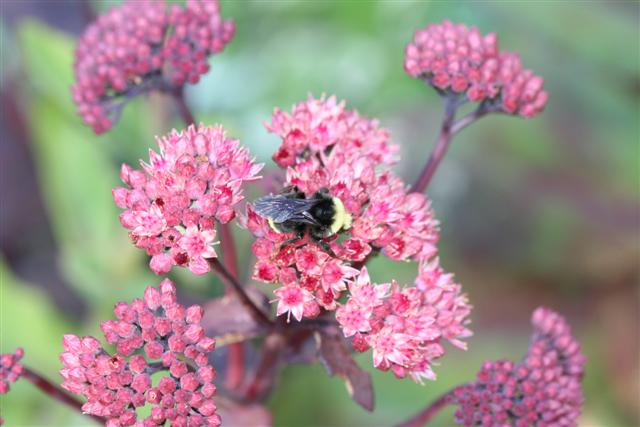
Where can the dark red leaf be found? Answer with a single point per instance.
(228, 321)
(337, 360)
(235, 414)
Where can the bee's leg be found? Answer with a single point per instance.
(299, 236)
(324, 245)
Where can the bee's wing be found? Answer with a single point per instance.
(280, 209)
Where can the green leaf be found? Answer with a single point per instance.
(76, 177)
(30, 320)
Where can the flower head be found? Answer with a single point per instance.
(541, 390)
(320, 125)
(456, 59)
(171, 206)
(405, 326)
(153, 334)
(10, 369)
(140, 46)
(328, 148)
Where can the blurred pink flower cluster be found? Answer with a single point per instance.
(172, 205)
(141, 46)
(404, 326)
(544, 389)
(453, 57)
(153, 334)
(10, 369)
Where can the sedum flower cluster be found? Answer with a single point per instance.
(544, 389)
(405, 326)
(457, 59)
(151, 335)
(10, 369)
(172, 205)
(326, 146)
(140, 46)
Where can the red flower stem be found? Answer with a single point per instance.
(235, 369)
(229, 280)
(87, 11)
(183, 108)
(55, 392)
(462, 123)
(424, 416)
(264, 375)
(448, 129)
(442, 144)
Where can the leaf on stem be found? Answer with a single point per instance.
(227, 320)
(337, 360)
(236, 414)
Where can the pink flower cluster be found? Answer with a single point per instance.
(326, 146)
(171, 206)
(318, 125)
(154, 334)
(544, 389)
(405, 326)
(453, 57)
(144, 45)
(10, 369)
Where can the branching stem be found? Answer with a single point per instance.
(231, 281)
(448, 129)
(425, 415)
(183, 108)
(55, 392)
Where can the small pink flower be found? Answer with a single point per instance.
(390, 347)
(457, 59)
(10, 369)
(172, 205)
(143, 45)
(366, 295)
(292, 300)
(543, 389)
(198, 245)
(153, 334)
(353, 318)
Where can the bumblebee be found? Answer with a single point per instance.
(291, 212)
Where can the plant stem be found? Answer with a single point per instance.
(442, 144)
(235, 369)
(424, 416)
(264, 374)
(231, 281)
(448, 129)
(462, 123)
(183, 108)
(55, 392)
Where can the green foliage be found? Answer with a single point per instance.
(31, 309)
(76, 176)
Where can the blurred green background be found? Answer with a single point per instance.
(540, 211)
